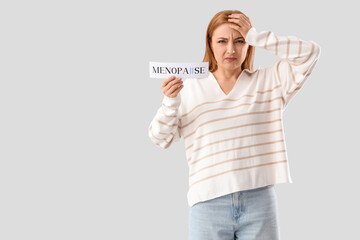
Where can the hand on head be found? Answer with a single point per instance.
(241, 23)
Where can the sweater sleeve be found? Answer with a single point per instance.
(164, 128)
(297, 59)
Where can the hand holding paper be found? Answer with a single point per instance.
(172, 86)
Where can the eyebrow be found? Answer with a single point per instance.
(226, 38)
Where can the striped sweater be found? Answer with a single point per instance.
(235, 141)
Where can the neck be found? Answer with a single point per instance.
(224, 75)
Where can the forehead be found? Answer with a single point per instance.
(224, 30)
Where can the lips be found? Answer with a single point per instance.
(230, 59)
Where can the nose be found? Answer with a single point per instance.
(230, 48)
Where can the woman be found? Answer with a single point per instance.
(231, 122)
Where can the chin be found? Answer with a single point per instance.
(231, 67)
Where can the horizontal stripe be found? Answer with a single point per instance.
(235, 159)
(230, 117)
(161, 122)
(160, 139)
(152, 136)
(169, 116)
(172, 108)
(232, 149)
(234, 138)
(237, 169)
(246, 95)
(236, 106)
(229, 128)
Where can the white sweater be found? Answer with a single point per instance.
(236, 142)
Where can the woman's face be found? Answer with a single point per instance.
(229, 47)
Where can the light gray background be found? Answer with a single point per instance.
(76, 102)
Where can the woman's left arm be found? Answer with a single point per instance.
(297, 59)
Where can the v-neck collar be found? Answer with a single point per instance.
(233, 88)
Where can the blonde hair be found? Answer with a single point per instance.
(217, 20)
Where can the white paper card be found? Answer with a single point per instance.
(183, 70)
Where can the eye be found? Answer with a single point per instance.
(241, 41)
(221, 41)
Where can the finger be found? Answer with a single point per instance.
(167, 80)
(236, 27)
(172, 84)
(239, 21)
(174, 88)
(176, 91)
(235, 15)
(238, 15)
(246, 17)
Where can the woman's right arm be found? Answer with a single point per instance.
(164, 128)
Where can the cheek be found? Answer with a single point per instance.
(243, 51)
(219, 50)
(245, 48)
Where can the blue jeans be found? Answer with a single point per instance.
(244, 215)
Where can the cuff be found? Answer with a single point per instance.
(172, 101)
(250, 36)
